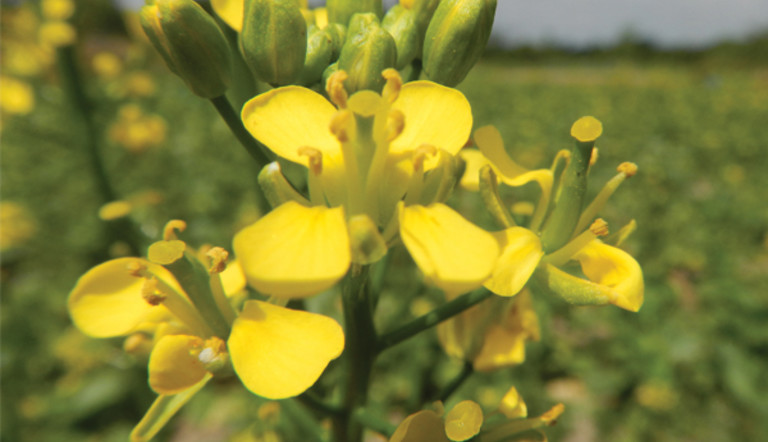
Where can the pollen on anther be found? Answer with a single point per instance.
(150, 294)
(315, 158)
(335, 89)
(420, 154)
(392, 87)
(340, 122)
(173, 226)
(599, 227)
(395, 124)
(136, 268)
(218, 258)
(627, 168)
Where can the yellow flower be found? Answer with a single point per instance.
(136, 130)
(466, 420)
(377, 164)
(16, 96)
(492, 334)
(612, 275)
(276, 352)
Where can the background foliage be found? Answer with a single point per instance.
(689, 366)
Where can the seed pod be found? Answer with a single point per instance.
(455, 38)
(191, 43)
(274, 40)
(368, 50)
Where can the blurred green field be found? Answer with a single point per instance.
(689, 366)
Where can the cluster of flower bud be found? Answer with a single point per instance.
(283, 43)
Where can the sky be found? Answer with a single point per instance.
(668, 23)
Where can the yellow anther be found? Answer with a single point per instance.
(395, 124)
(315, 158)
(593, 157)
(420, 154)
(627, 168)
(599, 227)
(392, 87)
(552, 414)
(340, 124)
(212, 353)
(173, 226)
(335, 89)
(136, 268)
(150, 294)
(218, 258)
(586, 129)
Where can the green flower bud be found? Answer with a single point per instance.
(368, 50)
(191, 43)
(319, 52)
(401, 24)
(338, 34)
(274, 40)
(455, 38)
(422, 10)
(341, 11)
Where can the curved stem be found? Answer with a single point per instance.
(257, 150)
(448, 390)
(432, 318)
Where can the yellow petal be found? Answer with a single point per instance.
(490, 143)
(616, 270)
(520, 254)
(278, 352)
(107, 301)
(512, 405)
(291, 117)
(435, 115)
(463, 421)
(172, 366)
(423, 426)
(233, 278)
(295, 251)
(231, 11)
(501, 348)
(452, 252)
(474, 160)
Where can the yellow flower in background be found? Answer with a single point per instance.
(465, 421)
(136, 130)
(377, 164)
(17, 225)
(492, 334)
(16, 97)
(612, 275)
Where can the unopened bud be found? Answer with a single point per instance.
(455, 38)
(368, 50)
(319, 52)
(341, 11)
(274, 40)
(401, 24)
(276, 187)
(191, 43)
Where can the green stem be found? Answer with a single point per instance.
(311, 401)
(360, 351)
(257, 150)
(448, 390)
(72, 83)
(374, 422)
(302, 420)
(432, 318)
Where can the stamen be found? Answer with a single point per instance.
(420, 154)
(566, 252)
(593, 157)
(599, 227)
(150, 294)
(340, 124)
(315, 157)
(335, 89)
(136, 268)
(627, 168)
(416, 184)
(395, 124)
(392, 87)
(218, 258)
(173, 226)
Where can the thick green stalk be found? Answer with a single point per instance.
(432, 318)
(360, 351)
(464, 374)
